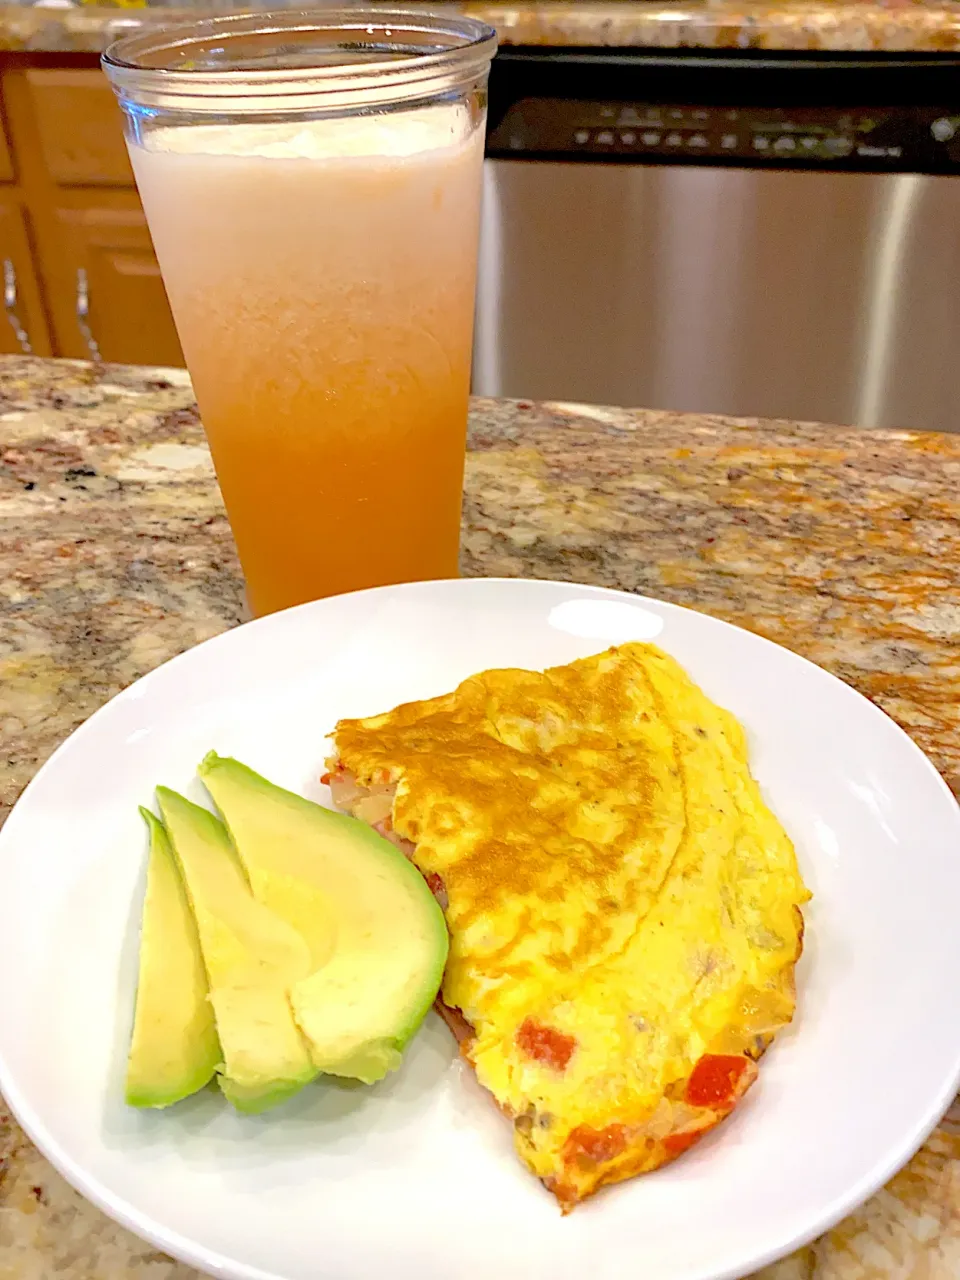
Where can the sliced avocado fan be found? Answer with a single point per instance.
(252, 958)
(377, 939)
(174, 1050)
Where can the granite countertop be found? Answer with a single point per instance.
(885, 25)
(842, 544)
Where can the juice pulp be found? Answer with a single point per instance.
(322, 279)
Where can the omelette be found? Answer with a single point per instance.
(623, 908)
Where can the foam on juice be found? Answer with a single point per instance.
(384, 134)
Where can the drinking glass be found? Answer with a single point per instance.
(311, 180)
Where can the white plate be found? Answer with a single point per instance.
(416, 1178)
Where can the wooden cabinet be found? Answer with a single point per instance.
(81, 262)
(79, 126)
(23, 326)
(111, 294)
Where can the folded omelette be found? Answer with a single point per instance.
(623, 908)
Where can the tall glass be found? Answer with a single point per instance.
(312, 184)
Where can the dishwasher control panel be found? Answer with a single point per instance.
(899, 138)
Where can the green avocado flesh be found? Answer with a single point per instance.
(174, 1050)
(377, 940)
(252, 957)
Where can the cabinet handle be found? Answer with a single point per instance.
(83, 315)
(10, 306)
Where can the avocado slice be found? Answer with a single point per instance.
(252, 958)
(378, 939)
(174, 1049)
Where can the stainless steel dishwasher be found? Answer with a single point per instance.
(731, 233)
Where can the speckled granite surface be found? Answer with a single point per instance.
(729, 24)
(889, 25)
(842, 544)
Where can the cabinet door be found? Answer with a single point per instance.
(111, 299)
(23, 324)
(79, 125)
